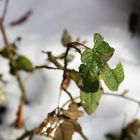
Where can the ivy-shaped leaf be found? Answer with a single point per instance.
(94, 65)
(90, 101)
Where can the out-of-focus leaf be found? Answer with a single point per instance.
(13, 67)
(112, 77)
(23, 63)
(90, 101)
(4, 52)
(66, 38)
(112, 137)
(69, 57)
(64, 131)
(131, 131)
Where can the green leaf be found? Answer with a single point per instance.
(66, 38)
(119, 73)
(102, 48)
(90, 101)
(104, 51)
(112, 77)
(89, 71)
(23, 63)
(89, 78)
(98, 39)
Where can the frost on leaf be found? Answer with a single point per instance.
(94, 67)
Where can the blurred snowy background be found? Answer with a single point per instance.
(43, 31)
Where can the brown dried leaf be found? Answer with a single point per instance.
(64, 131)
(66, 82)
(131, 131)
(73, 113)
(43, 129)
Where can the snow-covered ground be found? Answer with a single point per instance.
(42, 32)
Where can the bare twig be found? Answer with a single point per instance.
(4, 35)
(53, 60)
(47, 67)
(22, 19)
(5, 10)
(65, 65)
(69, 101)
(20, 83)
(74, 43)
(69, 94)
(123, 96)
(26, 134)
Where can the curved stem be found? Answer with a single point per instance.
(124, 97)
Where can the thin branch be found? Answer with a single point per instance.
(52, 68)
(53, 60)
(123, 96)
(69, 94)
(4, 10)
(65, 65)
(83, 135)
(22, 87)
(74, 43)
(47, 67)
(4, 35)
(22, 19)
(69, 101)
(26, 134)
(20, 83)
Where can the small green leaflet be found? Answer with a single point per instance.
(23, 63)
(66, 38)
(20, 63)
